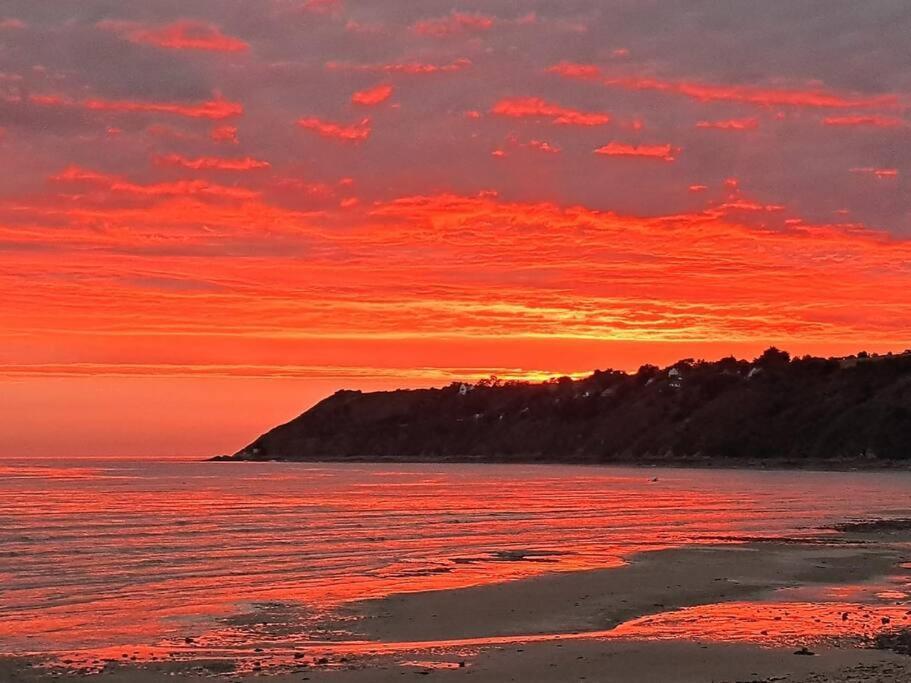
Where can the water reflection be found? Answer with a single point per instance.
(108, 555)
(785, 624)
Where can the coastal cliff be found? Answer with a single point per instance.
(773, 408)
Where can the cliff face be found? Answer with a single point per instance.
(772, 408)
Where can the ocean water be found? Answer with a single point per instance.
(99, 553)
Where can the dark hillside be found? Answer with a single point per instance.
(776, 408)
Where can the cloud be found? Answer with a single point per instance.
(861, 120)
(355, 132)
(212, 163)
(537, 108)
(575, 70)
(413, 68)
(224, 134)
(513, 142)
(620, 149)
(277, 371)
(372, 96)
(215, 109)
(543, 146)
(179, 35)
(704, 274)
(709, 92)
(730, 124)
(878, 173)
(810, 97)
(12, 24)
(693, 273)
(454, 24)
(49, 100)
(183, 188)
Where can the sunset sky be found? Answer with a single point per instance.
(215, 212)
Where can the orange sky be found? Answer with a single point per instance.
(212, 221)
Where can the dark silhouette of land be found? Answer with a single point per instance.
(836, 412)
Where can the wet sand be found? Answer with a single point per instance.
(602, 599)
(621, 624)
(610, 662)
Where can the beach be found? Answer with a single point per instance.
(694, 614)
(195, 571)
(613, 663)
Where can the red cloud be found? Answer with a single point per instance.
(408, 68)
(456, 22)
(213, 109)
(742, 204)
(707, 92)
(712, 92)
(372, 96)
(212, 163)
(878, 173)
(12, 24)
(513, 142)
(543, 146)
(357, 132)
(619, 149)
(216, 109)
(730, 124)
(575, 70)
(225, 134)
(49, 101)
(535, 107)
(855, 120)
(180, 35)
(183, 188)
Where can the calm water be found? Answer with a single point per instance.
(101, 553)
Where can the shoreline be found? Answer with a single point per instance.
(784, 464)
(728, 599)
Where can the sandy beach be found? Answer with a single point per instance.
(578, 661)
(739, 612)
